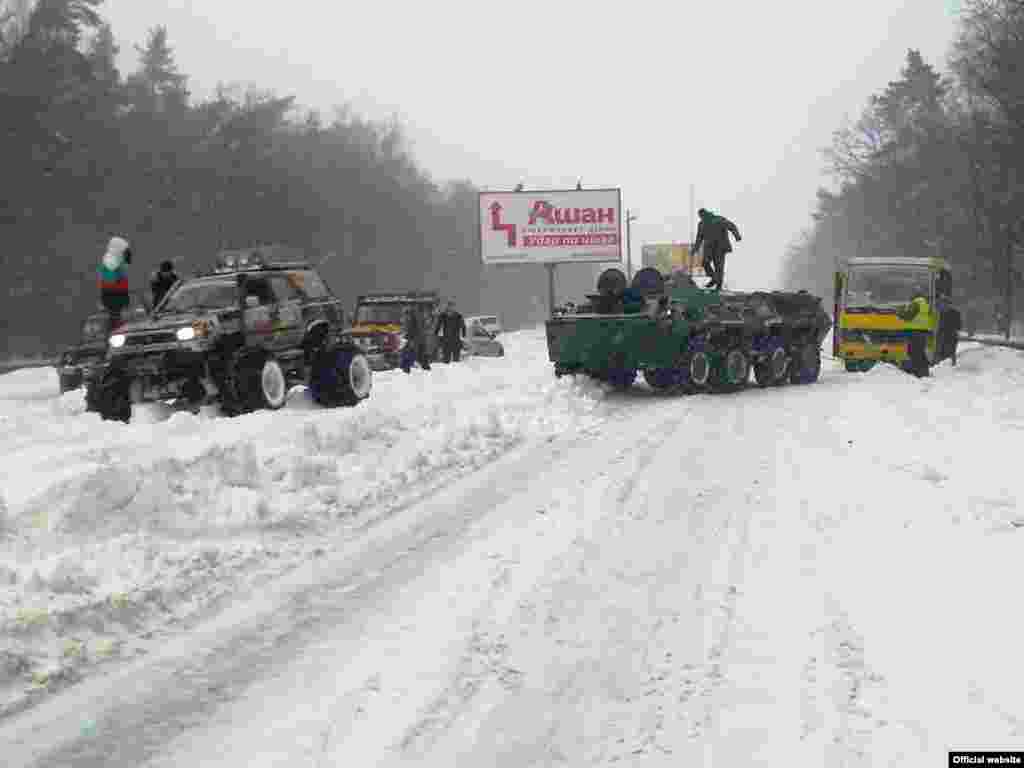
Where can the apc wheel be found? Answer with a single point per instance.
(772, 370)
(662, 379)
(341, 376)
(621, 378)
(698, 368)
(737, 368)
(806, 365)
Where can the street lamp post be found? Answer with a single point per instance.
(629, 242)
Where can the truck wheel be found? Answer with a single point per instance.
(110, 397)
(341, 376)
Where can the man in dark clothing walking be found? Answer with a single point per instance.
(452, 328)
(415, 350)
(163, 281)
(713, 233)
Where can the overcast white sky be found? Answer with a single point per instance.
(735, 97)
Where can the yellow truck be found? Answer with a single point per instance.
(898, 310)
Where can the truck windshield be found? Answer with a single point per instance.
(379, 314)
(206, 294)
(875, 286)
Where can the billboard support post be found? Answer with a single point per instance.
(551, 287)
(629, 240)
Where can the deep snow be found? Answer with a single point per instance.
(815, 575)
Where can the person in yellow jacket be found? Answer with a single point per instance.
(917, 315)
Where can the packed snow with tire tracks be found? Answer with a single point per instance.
(492, 567)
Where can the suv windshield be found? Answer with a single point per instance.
(379, 314)
(205, 294)
(887, 285)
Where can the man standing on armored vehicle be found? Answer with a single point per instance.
(713, 233)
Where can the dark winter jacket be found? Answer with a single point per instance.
(161, 283)
(714, 230)
(451, 326)
(413, 327)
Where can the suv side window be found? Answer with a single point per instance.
(260, 287)
(309, 283)
(284, 290)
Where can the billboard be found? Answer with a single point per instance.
(550, 226)
(670, 257)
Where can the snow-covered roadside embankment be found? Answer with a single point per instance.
(109, 532)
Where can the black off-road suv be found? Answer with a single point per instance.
(241, 336)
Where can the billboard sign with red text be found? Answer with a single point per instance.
(551, 226)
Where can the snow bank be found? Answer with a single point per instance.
(107, 527)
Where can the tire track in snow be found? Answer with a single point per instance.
(484, 669)
(143, 706)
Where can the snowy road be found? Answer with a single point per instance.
(815, 575)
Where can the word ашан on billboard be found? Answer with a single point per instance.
(550, 226)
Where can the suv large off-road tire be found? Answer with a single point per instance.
(259, 383)
(110, 397)
(341, 375)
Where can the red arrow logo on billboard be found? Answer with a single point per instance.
(497, 226)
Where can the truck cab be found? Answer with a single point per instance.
(897, 310)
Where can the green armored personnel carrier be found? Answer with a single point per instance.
(687, 339)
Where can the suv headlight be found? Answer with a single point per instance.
(186, 334)
(117, 340)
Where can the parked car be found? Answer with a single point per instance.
(482, 333)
